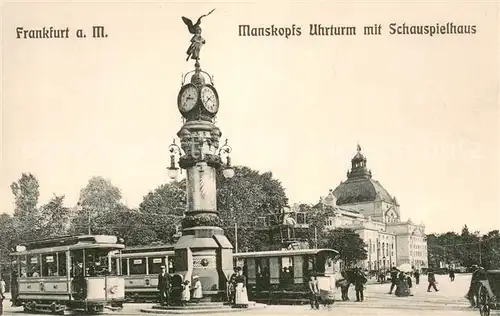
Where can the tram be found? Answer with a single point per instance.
(272, 276)
(282, 276)
(74, 273)
(141, 267)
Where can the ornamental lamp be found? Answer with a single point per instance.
(227, 171)
(173, 170)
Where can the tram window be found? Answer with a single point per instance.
(61, 259)
(138, 266)
(49, 264)
(154, 265)
(124, 267)
(308, 267)
(286, 270)
(23, 267)
(171, 265)
(33, 266)
(77, 267)
(96, 262)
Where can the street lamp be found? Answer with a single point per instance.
(227, 170)
(224, 151)
(173, 170)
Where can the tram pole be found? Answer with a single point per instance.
(236, 237)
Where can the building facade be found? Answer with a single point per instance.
(364, 205)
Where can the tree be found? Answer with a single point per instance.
(98, 203)
(26, 216)
(317, 216)
(244, 198)
(7, 237)
(490, 250)
(161, 210)
(347, 242)
(55, 218)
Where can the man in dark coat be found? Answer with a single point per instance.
(359, 284)
(417, 276)
(477, 275)
(394, 279)
(231, 285)
(345, 283)
(431, 278)
(164, 286)
(451, 274)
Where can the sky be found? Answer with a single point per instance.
(424, 109)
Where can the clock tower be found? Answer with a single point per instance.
(202, 249)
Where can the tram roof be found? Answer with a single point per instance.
(148, 248)
(283, 253)
(71, 240)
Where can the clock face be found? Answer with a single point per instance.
(210, 99)
(188, 97)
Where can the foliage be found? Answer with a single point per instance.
(26, 215)
(464, 249)
(99, 203)
(347, 242)
(316, 218)
(161, 210)
(55, 218)
(244, 198)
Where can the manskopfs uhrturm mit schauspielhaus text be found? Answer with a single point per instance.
(437, 29)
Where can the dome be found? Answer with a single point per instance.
(359, 186)
(361, 190)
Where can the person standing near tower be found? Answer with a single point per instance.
(164, 286)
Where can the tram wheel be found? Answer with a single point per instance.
(484, 302)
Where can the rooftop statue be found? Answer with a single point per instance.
(197, 41)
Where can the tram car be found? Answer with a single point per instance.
(73, 273)
(141, 267)
(272, 276)
(282, 277)
(489, 293)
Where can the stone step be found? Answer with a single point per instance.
(185, 310)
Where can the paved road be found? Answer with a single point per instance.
(448, 301)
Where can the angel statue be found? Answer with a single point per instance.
(196, 41)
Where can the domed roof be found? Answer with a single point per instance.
(359, 186)
(361, 190)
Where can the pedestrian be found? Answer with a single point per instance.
(197, 289)
(359, 285)
(452, 275)
(164, 286)
(431, 278)
(231, 286)
(417, 276)
(3, 289)
(394, 279)
(186, 293)
(313, 292)
(477, 275)
(345, 283)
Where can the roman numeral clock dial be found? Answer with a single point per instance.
(187, 99)
(209, 98)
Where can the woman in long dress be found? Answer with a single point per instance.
(241, 299)
(197, 289)
(186, 293)
(402, 288)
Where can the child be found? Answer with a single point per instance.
(186, 293)
(197, 290)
